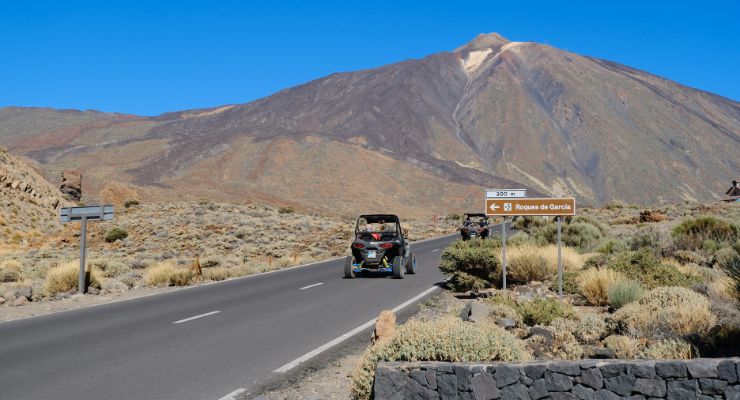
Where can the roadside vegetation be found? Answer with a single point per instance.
(178, 244)
(656, 284)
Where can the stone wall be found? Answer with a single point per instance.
(583, 379)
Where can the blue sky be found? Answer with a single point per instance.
(150, 57)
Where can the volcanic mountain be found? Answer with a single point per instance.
(418, 136)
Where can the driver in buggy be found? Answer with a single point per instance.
(482, 230)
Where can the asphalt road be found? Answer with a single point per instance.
(150, 348)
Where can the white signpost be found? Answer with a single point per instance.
(505, 194)
(83, 214)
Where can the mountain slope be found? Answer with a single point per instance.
(420, 136)
(30, 204)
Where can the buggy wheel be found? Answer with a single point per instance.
(411, 264)
(398, 267)
(349, 271)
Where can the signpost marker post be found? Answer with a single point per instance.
(503, 250)
(560, 261)
(506, 206)
(504, 194)
(83, 214)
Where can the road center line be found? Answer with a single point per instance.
(310, 286)
(435, 250)
(313, 353)
(196, 317)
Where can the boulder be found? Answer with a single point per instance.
(385, 326)
(71, 185)
(506, 323)
(19, 301)
(474, 311)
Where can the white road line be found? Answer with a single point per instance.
(196, 317)
(310, 286)
(435, 250)
(313, 353)
(232, 395)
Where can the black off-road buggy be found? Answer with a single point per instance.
(475, 225)
(380, 245)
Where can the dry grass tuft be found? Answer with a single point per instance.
(529, 263)
(11, 271)
(670, 350)
(216, 273)
(624, 346)
(168, 273)
(594, 284)
(65, 277)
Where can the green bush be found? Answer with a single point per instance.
(624, 292)
(643, 266)
(448, 339)
(582, 235)
(500, 298)
(543, 310)
(570, 283)
(114, 234)
(704, 233)
(528, 224)
(285, 210)
(453, 217)
(518, 239)
(471, 264)
(131, 202)
(611, 246)
(647, 238)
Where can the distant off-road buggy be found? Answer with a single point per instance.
(380, 245)
(475, 225)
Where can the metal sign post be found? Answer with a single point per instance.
(82, 214)
(503, 250)
(560, 261)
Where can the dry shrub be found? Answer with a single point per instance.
(65, 277)
(10, 271)
(651, 216)
(111, 268)
(497, 311)
(447, 339)
(167, 273)
(590, 328)
(563, 345)
(623, 346)
(666, 312)
(671, 349)
(216, 273)
(544, 310)
(595, 282)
